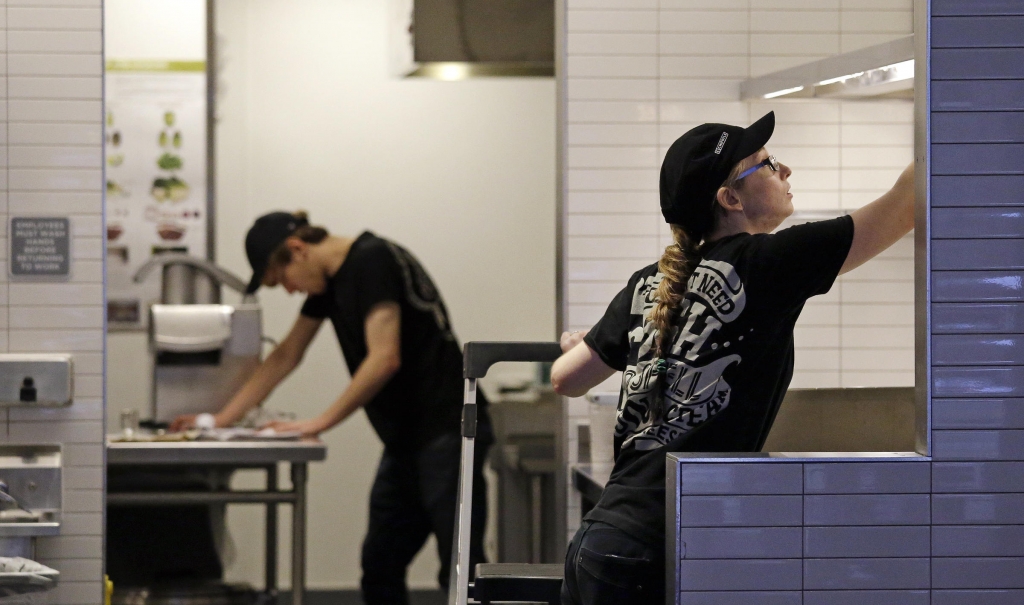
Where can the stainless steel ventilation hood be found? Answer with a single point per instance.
(884, 70)
(457, 39)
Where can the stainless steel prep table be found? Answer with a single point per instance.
(233, 455)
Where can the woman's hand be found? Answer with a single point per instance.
(308, 428)
(183, 423)
(569, 340)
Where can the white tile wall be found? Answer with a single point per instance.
(639, 74)
(51, 137)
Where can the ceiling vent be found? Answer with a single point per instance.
(457, 39)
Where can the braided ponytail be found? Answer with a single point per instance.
(677, 264)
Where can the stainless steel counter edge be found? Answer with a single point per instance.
(215, 452)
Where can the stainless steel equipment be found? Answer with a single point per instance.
(31, 497)
(203, 351)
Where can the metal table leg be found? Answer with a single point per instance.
(299, 533)
(270, 581)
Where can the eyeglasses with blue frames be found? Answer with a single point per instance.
(769, 161)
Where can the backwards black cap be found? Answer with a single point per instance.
(698, 163)
(265, 235)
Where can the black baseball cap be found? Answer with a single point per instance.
(265, 235)
(698, 163)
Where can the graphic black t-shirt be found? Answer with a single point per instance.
(727, 370)
(424, 398)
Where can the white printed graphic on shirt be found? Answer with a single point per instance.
(693, 393)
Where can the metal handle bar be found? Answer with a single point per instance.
(478, 357)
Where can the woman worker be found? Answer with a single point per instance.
(704, 338)
(406, 368)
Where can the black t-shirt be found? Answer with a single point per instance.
(424, 398)
(727, 370)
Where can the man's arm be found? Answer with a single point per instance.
(383, 326)
(579, 368)
(281, 361)
(883, 222)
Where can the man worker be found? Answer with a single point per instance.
(406, 368)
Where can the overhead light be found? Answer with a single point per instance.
(783, 92)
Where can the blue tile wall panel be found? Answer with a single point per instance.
(867, 478)
(977, 32)
(983, 541)
(740, 511)
(978, 349)
(867, 597)
(741, 543)
(978, 445)
(978, 158)
(981, 572)
(977, 190)
(942, 8)
(740, 478)
(983, 127)
(977, 477)
(977, 597)
(741, 598)
(967, 95)
(866, 574)
(875, 509)
(978, 64)
(977, 223)
(978, 382)
(852, 542)
(977, 509)
(981, 318)
(756, 574)
(977, 286)
(978, 413)
(968, 254)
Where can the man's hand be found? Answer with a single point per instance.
(308, 428)
(569, 340)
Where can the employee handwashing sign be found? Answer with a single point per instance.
(40, 247)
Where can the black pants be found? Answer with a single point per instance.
(605, 565)
(416, 494)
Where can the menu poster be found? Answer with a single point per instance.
(156, 176)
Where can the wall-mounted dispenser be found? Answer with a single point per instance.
(36, 380)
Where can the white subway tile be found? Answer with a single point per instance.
(612, 67)
(57, 134)
(611, 4)
(58, 341)
(619, 247)
(75, 203)
(82, 477)
(806, 135)
(56, 88)
(594, 292)
(44, 3)
(803, 158)
(622, 21)
(623, 202)
(87, 272)
(705, 22)
(795, 44)
(877, 157)
(55, 157)
(83, 500)
(87, 226)
(882, 269)
(814, 5)
(67, 179)
(673, 89)
(77, 570)
(83, 408)
(55, 111)
(815, 200)
(84, 454)
(613, 224)
(868, 178)
(877, 292)
(878, 337)
(849, 42)
(880, 112)
(816, 359)
(794, 21)
(819, 314)
(55, 42)
(82, 524)
(605, 89)
(54, 18)
(876, 5)
(700, 112)
(86, 432)
(798, 111)
(876, 379)
(820, 337)
(612, 157)
(807, 379)
(87, 248)
(888, 359)
(611, 44)
(704, 44)
(586, 315)
(612, 134)
(889, 134)
(580, 179)
(26, 64)
(42, 316)
(77, 593)
(703, 67)
(5, 295)
(815, 179)
(55, 294)
(88, 363)
(767, 64)
(612, 111)
(873, 22)
(601, 270)
(740, 5)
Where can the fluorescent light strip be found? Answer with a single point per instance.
(785, 91)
